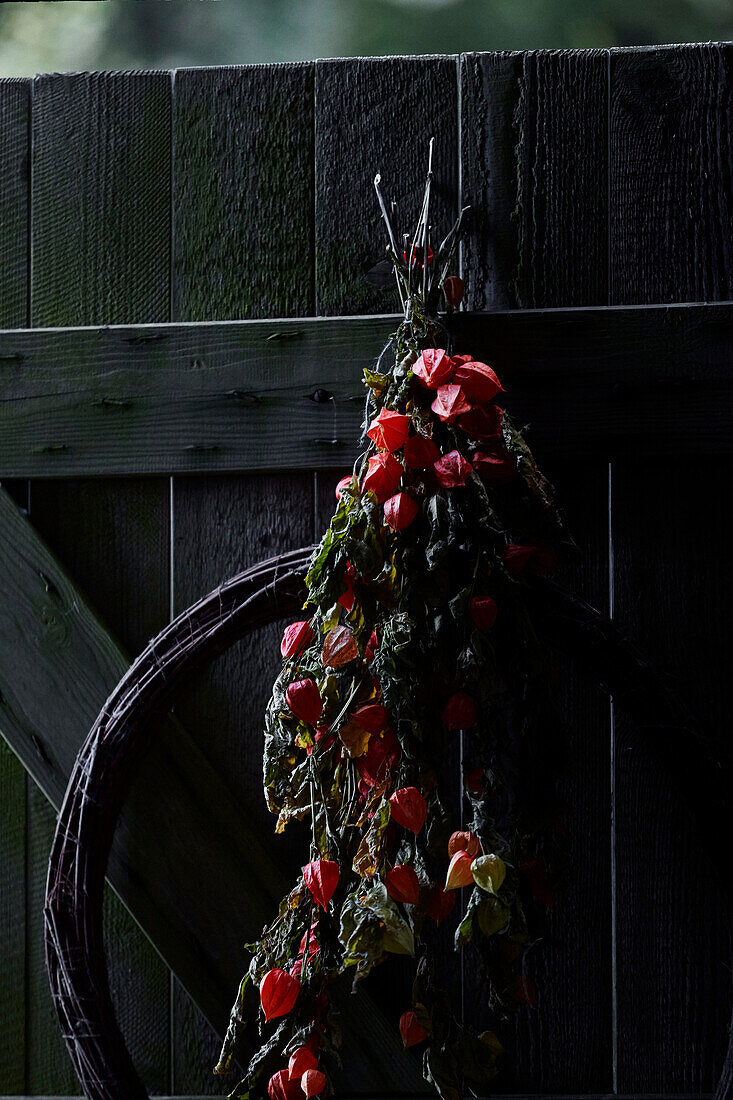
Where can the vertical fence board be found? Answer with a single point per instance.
(671, 215)
(671, 536)
(243, 192)
(534, 169)
(101, 198)
(672, 174)
(534, 151)
(243, 231)
(14, 150)
(14, 156)
(400, 103)
(101, 255)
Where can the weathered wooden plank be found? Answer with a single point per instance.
(101, 197)
(204, 398)
(13, 824)
(671, 183)
(115, 538)
(223, 525)
(671, 208)
(243, 192)
(101, 254)
(243, 231)
(671, 538)
(14, 165)
(571, 969)
(48, 1065)
(401, 103)
(14, 152)
(534, 148)
(534, 169)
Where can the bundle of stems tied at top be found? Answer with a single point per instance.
(416, 659)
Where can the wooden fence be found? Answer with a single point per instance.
(236, 206)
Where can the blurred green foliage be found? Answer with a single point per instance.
(122, 34)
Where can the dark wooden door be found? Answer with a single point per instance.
(598, 178)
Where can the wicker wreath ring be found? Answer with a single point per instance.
(265, 593)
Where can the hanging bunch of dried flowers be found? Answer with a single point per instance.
(417, 642)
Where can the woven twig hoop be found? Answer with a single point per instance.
(96, 791)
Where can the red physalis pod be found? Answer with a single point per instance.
(454, 288)
(411, 1029)
(344, 484)
(304, 699)
(372, 717)
(380, 758)
(535, 559)
(402, 884)
(452, 470)
(441, 904)
(313, 1082)
(483, 423)
(400, 510)
(495, 468)
(371, 646)
(459, 713)
(478, 381)
(339, 648)
(280, 1087)
(409, 808)
(349, 579)
(278, 993)
(535, 873)
(420, 452)
(296, 637)
(383, 476)
(483, 611)
(459, 871)
(389, 430)
(301, 1060)
(321, 877)
(433, 368)
(450, 403)
(311, 940)
(464, 841)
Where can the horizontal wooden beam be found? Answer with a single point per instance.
(256, 395)
(180, 824)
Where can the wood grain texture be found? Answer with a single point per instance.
(534, 169)
(243, 231)
(100, 254)
(14, 157)
(571, 968)
(101, 198)
(223, 525)
(400, 103)
(117, 543)
(13, 918)
(672, 174)
(671, 538)
(671, 210)
(534, 148)
(243, 192)
(48, 1066)
(14, 171)
(220, 397)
